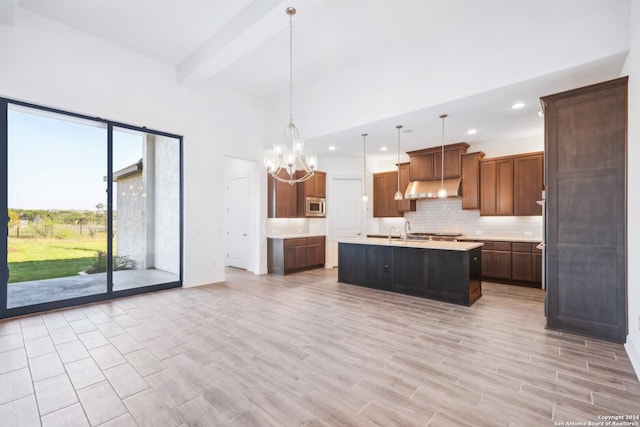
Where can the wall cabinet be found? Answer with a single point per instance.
(385, 185)
(470, 164)
(511, 185)
(287, 255)
(528, 184)
(282, 198)
(288, 201)
(426, 165)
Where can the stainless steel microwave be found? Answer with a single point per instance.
(315, 207)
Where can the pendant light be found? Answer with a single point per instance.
(442, 192)
(398, 195)
(365, 198)
(288, 156)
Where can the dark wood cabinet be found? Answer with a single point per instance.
(385, 185)
(405, 205)
(316, 186)
(452, 276)
(511, 185)
(470, 164)
(294, 254)
(586, 212)
(282, 198)
(528, 184)
(521, 262)
(426, 165)
(512, 262)
(502, 260)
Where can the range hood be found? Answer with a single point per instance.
(429, 189)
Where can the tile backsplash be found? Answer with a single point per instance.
(447, 215)
(288, 226)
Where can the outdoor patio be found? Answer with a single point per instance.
(40, 291)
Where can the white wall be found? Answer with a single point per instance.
(50, 64)
(632, 69)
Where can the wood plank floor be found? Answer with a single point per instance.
(306, 351)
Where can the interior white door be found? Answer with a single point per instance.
(345, 213)
(347, 205)
(237, 198)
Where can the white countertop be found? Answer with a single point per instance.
(293, 236)
(483, 237)
(424, 244)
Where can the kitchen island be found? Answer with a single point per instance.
(445, 271)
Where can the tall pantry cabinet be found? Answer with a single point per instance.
(585, 228)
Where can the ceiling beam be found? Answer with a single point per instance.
(8, 11)
(257, 23)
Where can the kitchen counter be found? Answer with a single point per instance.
(293, 236)
(424, 244)
(488, 238)
(445, 271)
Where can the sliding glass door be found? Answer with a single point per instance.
(94, 209)
(146, 209)
(56, 207)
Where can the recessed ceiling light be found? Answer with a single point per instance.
(383, 148)
(332, 147)
(472, 131)
(517, 105)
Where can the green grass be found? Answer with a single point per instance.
(49, 269)
(37, 258)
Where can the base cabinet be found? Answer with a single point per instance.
(512, 262)
(288, 255)
(451, 276)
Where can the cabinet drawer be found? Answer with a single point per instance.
(289, 243)
(521, 247)
(488, 246)
(315, 240)
(501, 246)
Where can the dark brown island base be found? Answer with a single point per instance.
(445, 271)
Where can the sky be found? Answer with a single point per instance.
(55, 163)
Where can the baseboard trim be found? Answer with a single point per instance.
(634, 355)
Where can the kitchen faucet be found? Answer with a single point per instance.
(407, 228)
(393, 228)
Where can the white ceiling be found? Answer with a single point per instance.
(244, 44)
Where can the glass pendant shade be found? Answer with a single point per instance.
(398, 196)
(365, 198)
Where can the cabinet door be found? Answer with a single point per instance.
(488, 188)
(421, 167)
(487, 263)
(522, 266)
(537, 265)
(504, 187)
(471, 180)
(392, 187)
(379, 271)
(410, 267)
(528, 184)
(380, 195)
(502, 264)
(352, 259)
(282, 198)
(321, 184)
(452, 167)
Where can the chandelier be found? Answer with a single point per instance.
(287, 158)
